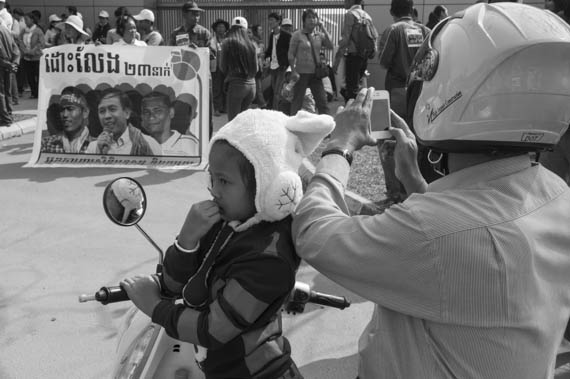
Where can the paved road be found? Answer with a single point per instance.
(57, 243)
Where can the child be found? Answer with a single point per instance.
(234, 261)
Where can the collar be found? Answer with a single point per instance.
(483, 172)
(405, 18)
(74, 146)
(191, 29)
(355, 6)
(124, 138)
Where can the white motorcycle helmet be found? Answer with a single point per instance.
(492, 77)
(129, 194)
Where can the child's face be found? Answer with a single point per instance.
(227, 185)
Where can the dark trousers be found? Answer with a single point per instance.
(355, 67)
(5, 107)
(277, 78)
(317, 89)
(32, 70)
(240, 94)
(218, 90)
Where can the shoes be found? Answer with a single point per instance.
(33, 96)
(217, 114)
(15, 102)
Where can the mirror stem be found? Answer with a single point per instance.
(160, 253)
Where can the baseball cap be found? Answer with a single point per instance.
(240, 21)
(191, 6)
(54, 18)
(287, 21)
(145, 14)
(104, 14)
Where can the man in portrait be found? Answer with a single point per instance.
(73, 135)
(157, 113)
(119, 136)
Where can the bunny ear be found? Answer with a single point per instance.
(310, 129)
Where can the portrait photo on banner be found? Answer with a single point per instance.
(110, 106)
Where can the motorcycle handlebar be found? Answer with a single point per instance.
(106, 295)
(328, 300)
(300, 295)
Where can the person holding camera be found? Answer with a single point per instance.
(469, 275)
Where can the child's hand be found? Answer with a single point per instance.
(202, 216)
(143, 291)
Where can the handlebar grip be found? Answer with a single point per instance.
(112, 294)
(339, 302)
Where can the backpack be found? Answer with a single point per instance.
(365, 36)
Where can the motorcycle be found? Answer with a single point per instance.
(144, 350)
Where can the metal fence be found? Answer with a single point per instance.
(331, 13)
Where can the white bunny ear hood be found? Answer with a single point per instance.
(275, 144)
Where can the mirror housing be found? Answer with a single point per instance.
(124, 201)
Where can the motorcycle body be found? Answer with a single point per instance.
(144, 349)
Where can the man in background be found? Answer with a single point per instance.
(101, 28)
(9, 60)
(276, 54)
(190, 32)
(145, 25)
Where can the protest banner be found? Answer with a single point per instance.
(123, 106)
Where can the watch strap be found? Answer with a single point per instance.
(345, 153)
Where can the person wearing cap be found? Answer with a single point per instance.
(190, 33)
(220, 28)
(73, 132)
(127, 30)
(101, 28)
(238, 61)
(469, 275)
(119, 136)
(145, 25)
(157, 112)
(31, 43)
(276, 55)
(9, 60)
(240, 241)
(5, 16)
(287, 25)
(52, 32)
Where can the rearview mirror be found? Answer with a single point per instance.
(124, 201)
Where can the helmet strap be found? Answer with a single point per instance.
(438, 162)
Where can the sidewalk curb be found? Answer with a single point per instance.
(18, 128)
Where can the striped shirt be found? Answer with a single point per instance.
(470, 279)
(240, 326)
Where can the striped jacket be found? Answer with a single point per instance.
(240, 324)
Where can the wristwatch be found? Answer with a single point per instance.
(345, 153)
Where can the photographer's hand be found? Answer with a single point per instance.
(352, 130)
(406, 156)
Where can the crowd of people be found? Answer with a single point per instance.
(469, 274)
